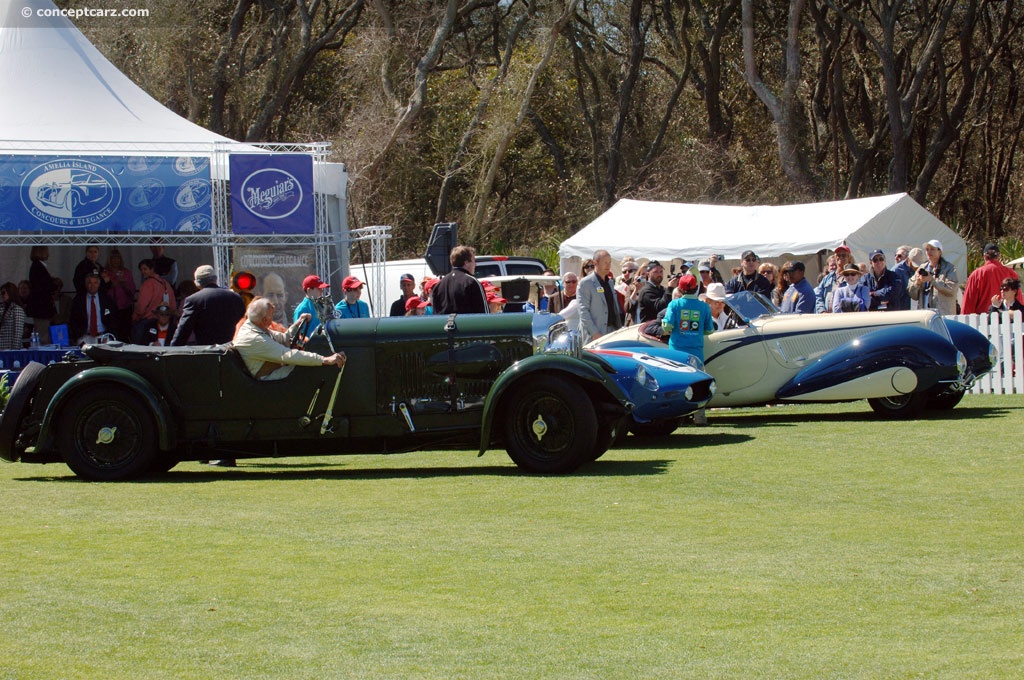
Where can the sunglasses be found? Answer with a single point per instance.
(628, 271)
(589, 266)
(878, 259)
(1005, 288)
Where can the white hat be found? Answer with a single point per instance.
(935, 243)
(716, 291)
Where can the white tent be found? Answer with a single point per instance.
(667, 231)
(58, 88)
(61, 96)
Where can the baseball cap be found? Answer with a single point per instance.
(797, 264)
(989, 248)
(494, 297)
(842, 247)
(749, 253)
(313, 281)
(934, 243)
(406, 277)
(429, 285)
(415, 302)
(704, 266)
(351, 283)
(687, 282)
(652, 264)
(205, 273)
(162, 309)
(874, 252)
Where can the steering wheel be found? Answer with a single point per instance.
(297, 342)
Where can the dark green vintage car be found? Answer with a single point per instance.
(519, 380)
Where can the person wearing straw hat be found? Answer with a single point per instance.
(855, 295)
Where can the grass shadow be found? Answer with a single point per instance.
(686, 438)
(249, 471)
(786, 418)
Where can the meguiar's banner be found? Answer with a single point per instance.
(271, 194)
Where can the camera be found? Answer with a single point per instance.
(922, 272)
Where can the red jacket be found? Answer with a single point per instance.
(983, 283)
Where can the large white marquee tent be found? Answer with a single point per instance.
(62, 96)
(667, 231)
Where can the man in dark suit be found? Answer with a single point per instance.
(459, 292)
(211, 313)
(92, 313)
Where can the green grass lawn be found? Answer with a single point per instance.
(797, 541)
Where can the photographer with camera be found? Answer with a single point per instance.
(653, 296)
(935, 282)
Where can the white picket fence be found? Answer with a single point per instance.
(1006, 332)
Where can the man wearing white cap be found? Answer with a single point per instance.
(934, 285)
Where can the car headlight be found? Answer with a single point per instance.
(645, 379)
(961, 363)
(993, 355)
(688, 393)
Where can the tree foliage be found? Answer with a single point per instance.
(525, 119)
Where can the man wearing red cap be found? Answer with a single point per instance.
(312, 288)
(351, 307)
(688, 319)
(832, 280)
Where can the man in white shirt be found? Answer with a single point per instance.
(715, 297)
(267, 353)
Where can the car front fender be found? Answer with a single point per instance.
(887, 362)
(979, 352)
(590, 371)
(138, 385)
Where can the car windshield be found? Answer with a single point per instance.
(749, 306)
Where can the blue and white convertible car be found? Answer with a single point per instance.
(901, 362)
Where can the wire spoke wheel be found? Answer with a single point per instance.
(551, 425)
(106, 434)
(903, 406)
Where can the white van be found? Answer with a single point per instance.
(486, 266)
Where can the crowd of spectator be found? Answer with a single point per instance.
(109, 302)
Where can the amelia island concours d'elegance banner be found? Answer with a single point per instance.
(272, 194)
(100, 194)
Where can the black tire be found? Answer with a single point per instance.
(945, 400)
(17, 407)
(550, 426)
(899, 408)
(163, 464)
(609, 431)
(106, 434)
(655, 428)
